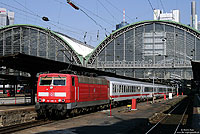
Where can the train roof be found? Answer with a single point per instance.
(131, 81)
(123, 80)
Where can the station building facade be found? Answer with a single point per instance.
(149, 49)
(146, 50)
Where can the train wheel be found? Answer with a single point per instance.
(40, 114)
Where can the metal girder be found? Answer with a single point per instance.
(47, 32)
(118, 32)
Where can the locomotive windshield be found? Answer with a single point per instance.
(54, 81)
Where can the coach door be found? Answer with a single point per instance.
(75, 89)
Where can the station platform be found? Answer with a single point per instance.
(12, 114)
(18, 99)
(196, 113)
(121, 120)
(122, 117)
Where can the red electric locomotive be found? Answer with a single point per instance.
(61, 93)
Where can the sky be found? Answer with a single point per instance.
(96, 18)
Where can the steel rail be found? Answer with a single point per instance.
(163, 118)
(23, 126)
(181, 118)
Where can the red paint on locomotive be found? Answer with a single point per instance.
(66, 88)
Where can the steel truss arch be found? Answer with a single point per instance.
(21, 36)
(92, 56)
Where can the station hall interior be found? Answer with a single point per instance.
(159, 50)
(127, 76)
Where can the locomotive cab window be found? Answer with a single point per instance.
(54, 81)
(59, 81)
(45, 81)
(73, 81)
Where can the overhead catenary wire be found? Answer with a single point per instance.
(162, 5)
(103, 19)
(47, 25)
(53, 23)
(20, 10)
(107, 10)
(25, 8)
(151, 5)
(93, 20)
(119, 10)
(152, 8)
(98, 24)
(73, 4)
(81, 9)
(57, 25)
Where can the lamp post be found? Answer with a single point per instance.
(153, 89)
(153, 78)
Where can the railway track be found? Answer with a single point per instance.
(23, 126)
(174, 120)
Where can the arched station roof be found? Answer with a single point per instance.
(90, 58)
(41, 42)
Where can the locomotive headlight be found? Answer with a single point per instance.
(59, 100)
(40, 100)
(63, 100)
(51, 87)
(43, 100)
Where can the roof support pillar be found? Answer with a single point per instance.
(33, 87)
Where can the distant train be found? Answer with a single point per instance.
(62, 94)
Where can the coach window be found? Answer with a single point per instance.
(114, 88)
(122, 89)
(73, 81)
(138, 89)
(125, 88)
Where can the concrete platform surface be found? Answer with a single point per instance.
(196, 113)
(121, 121)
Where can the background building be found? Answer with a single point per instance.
(123, 23)
(6, 17)
(173, 16)
(199, 25)
(194, 20)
